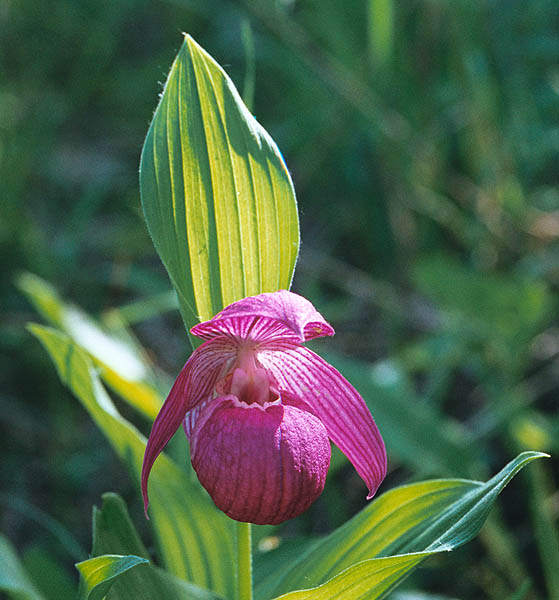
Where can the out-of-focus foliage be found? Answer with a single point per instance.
(13, 578)
(122, 362)
(423, 143)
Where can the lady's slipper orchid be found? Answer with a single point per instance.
(259, 409)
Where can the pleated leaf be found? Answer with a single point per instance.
(217, 197)
(370, 554)
(196, 540)
(368, 579)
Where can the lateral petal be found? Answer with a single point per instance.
(327, 394)
(194, 384)
(279, 315)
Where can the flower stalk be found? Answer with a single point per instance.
(244, 561)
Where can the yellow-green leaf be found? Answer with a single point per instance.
(217, 197)
(369, 579)
(122, 363)
(389, 538)
(99, 573)
(196, 540)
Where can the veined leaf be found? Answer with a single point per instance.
(269, 563)
(217, 197)
(99, 573)
(14, 581)
(410, 523)
(197, 541)
(369, 579)
(122, 364)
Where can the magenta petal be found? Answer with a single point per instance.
(302, 373)
(194, 384)
(260, 465)
(273, 316)
(192, 416)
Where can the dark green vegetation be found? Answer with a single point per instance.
(422, 139)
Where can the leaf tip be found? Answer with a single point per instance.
(34, 329)
(191, 42)
(530, 455)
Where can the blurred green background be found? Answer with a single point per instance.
(423, 141)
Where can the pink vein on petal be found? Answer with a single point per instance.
(279, 315)
(194, 384)
(328, 395)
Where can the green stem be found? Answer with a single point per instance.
(244, 564)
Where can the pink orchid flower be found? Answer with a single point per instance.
(259, 410)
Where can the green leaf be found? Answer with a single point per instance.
(99, 573)
(180, 589)
(113, 530)
(410, 523)
(14, 581)
(32, 513)
(48, 572)
(197, 541)
(217, 197)
(369, 579)
(114, 533)
(269, 563)
(122, 363)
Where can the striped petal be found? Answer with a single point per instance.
(194, 384)
(279, 315)
(327, 394)
(259, 464)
